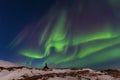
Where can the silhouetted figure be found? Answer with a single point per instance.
(46, 67)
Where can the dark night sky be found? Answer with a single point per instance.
(73, 27)
(15, 14)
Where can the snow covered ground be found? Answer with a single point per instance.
(7, 64)
(10, 71)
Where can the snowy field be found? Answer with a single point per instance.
(10, 71)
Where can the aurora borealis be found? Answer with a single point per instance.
(72, 33)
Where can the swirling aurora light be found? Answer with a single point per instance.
(70, 32)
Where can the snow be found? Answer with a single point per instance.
(66, 78)
(7, 64)
(105, 77)
(90, 70)
(4, 73)
(9, 75)
(19, 73)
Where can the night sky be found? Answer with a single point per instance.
(62, 33)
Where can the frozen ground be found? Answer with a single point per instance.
(10, 71)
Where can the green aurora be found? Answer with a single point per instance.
(71, 38)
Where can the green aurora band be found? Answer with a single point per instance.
(88, 47)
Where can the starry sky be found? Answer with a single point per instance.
(62, 33)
